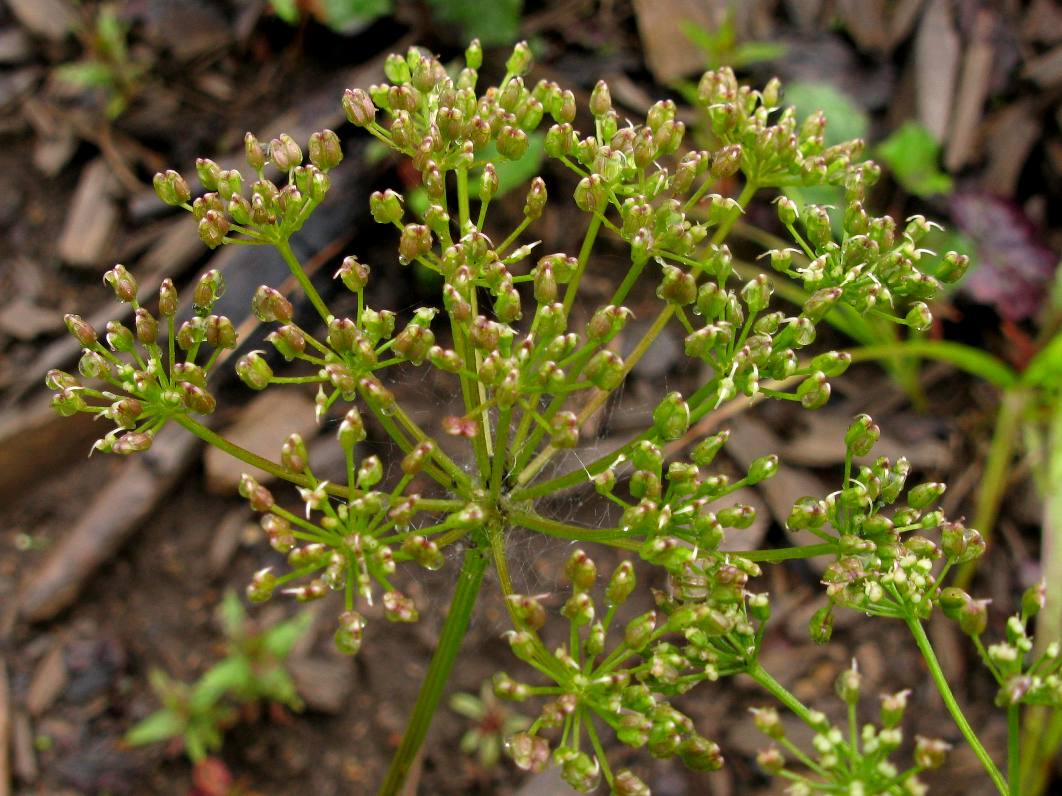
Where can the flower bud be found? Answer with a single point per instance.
(529, 752)
(787, 210)
(581, 772)
(359, 108)
(254, 371)
(639, 631)
(930, 752)
(953, 267)
(519, 63)
(847, 685)
(325, 150)
(81, 330)
(605, 370)
(536, 199)
(770, 760)
(512, 142)
(973, 617)
(171, 188)
(893, 707)
(821, 625)
(262, 585)
(270, 305)
(677, 286)
(122, 283)
(415, 242)
(700, 754)
(424, 551)
(762, 468)
(212, 228)
(861, 435)
(399, 608)
(671, 417)
(919, 317)
(925, 495)
(414, 461)
(349, 633)
(627, 783)
(260, 498)
(807, 513)
(705, 451)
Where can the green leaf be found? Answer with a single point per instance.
(287, 10)
(467, 705)
(341, 15)
(972, 360)
(279, 639)
(912, 154)
(511, 173)
(493, 23)
(846, 120)
(159, 726)
(230, 674)
(86, 74)
(1045, 369)
(232, 615)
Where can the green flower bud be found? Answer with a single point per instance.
(325, 150)
(254, 371)
(263, 584)
(639, 630)
(359, 107)
(700, 754)
(260, 498)
(171, 188)
(564, 430)
(581, 570)
(671, 418)
(512, 142)
(861, 435)
(925, 495)
(770, 760)
(578, 609)
(600, 99)
(519, 63)
(605, 370)
(821, 625)
(677, 286)
(536, 199)
(953, 267)
(705, 451)
(370, 472)
(807, 513)
(1033, 600)
(762, 468)
(973, 617)
(349, 633)
(627, 783)
(919, 317)
(415, 242)
(768, 722)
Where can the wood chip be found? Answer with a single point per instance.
(93, 217)
(262, 427)
(865, 22)
(937, 51)
(22, 751)
(49, 19)
(25, 320)
(1046, 70)
(49, 680)
(1011, 135)
(973, 90)
(668, 52)
(117, 510)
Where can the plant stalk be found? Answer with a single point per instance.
(442, 663)
(922, 640)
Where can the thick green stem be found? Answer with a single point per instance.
(779, 692)
(1014, 749)
(941, 682)
(561, 530)
(584, 257)
(442, 663)
(304, 281)
(996, 473)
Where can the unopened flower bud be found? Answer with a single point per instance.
(415, 242)
(260, 498)
(930, 752)
(263, 584)
(254, 371)
(349, 633)
(700, 754)
(325, 150)
(359, 108)
(529, 752)
(171, 188)
(893, 707)
(671, 417)
(861, 435)
(639, 630)
(270, 305)
(953, 267)
(762, 468)
(847, 684)
(536, 199)
(81, 330)
(519, 63)
(122, 283)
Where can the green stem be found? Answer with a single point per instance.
(941, 682)
(211, 437)
(996, 473)
(575, 533)
(779, 692)
(1014, 749)
(304, 281)
(442, 663)
(584, 257)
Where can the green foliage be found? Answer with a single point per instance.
(721, 47)
(913, 155)
(493, 23)
(252, 671)
(340, 15)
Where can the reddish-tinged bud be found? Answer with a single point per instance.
(354, 274)
(605, 370)
(349, 634)
(512, 142)
(529, 752)
(325, 150)
(415, 242)
(285, 153)
(536, 199)
(263, 584)
(254, 371)
(122, 283)
(399, 608)
(197, 399)
(581, 570)
(167, 298)
(81, 330)
(260, 498)
(600, 99)
(930, 752)
(212, 228)
(270, 305)
(208, 172)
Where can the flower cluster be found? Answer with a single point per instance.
(885, 564)
(855, 763)
(626, 688)
(145, 384)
